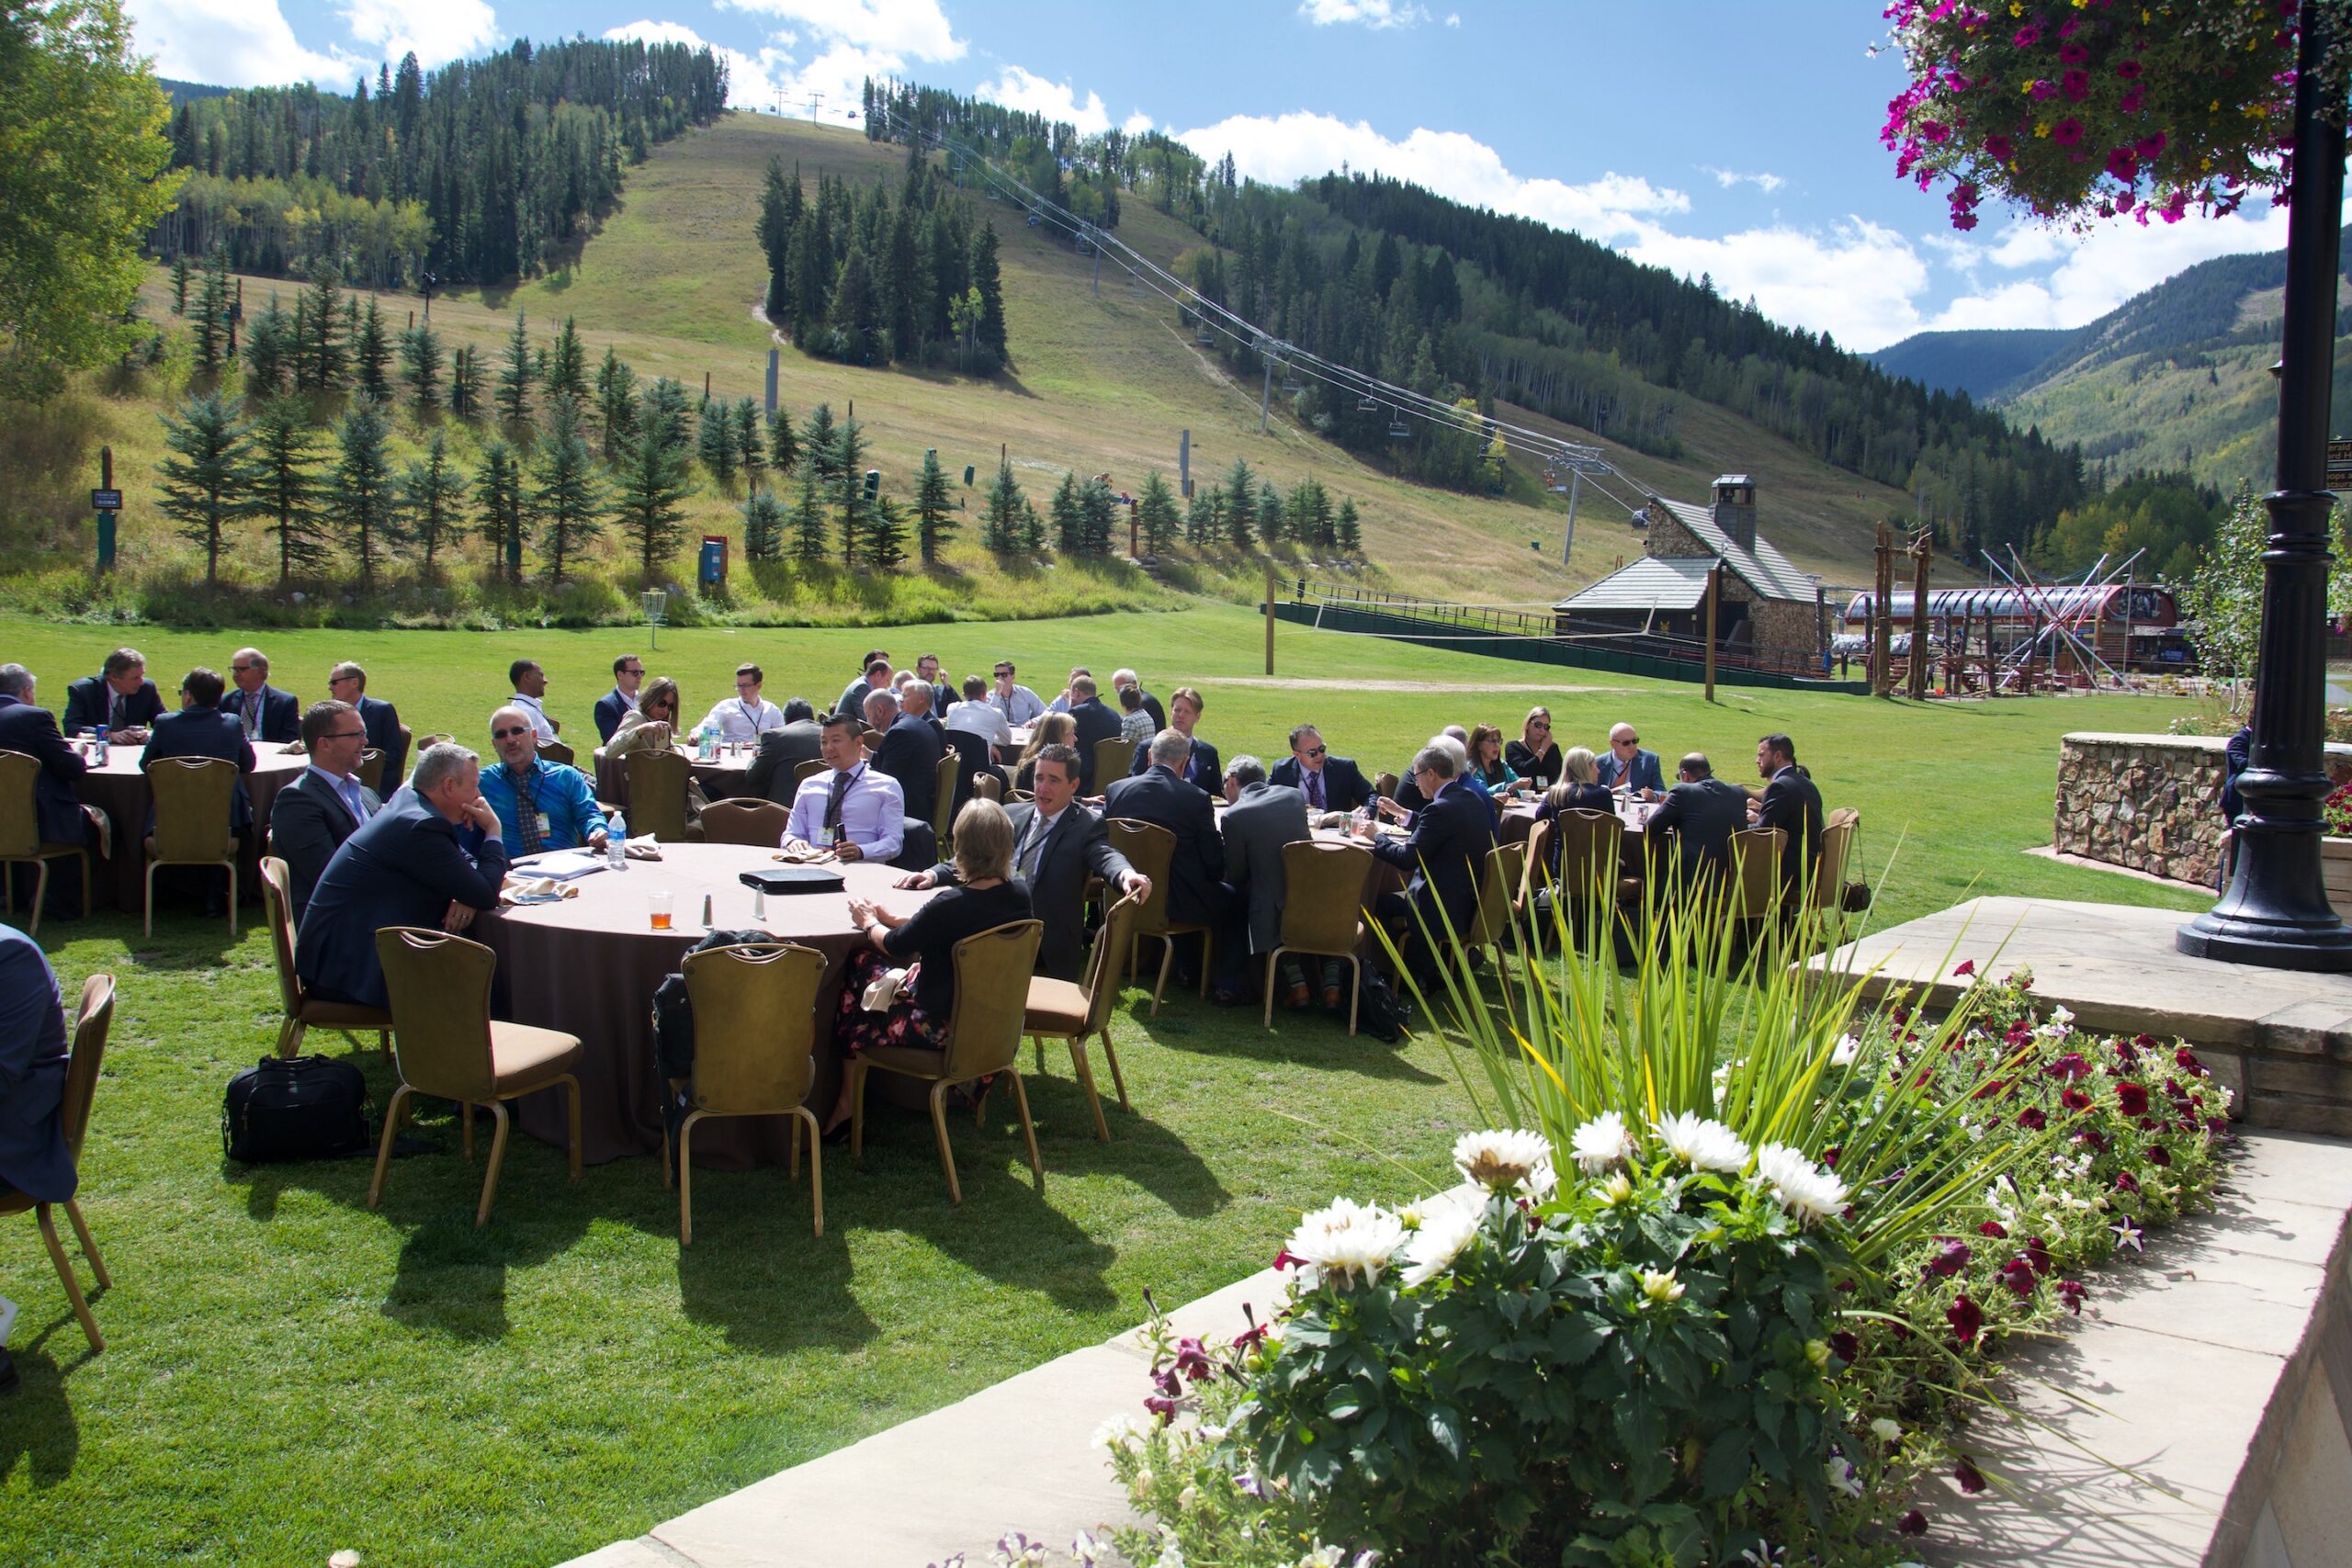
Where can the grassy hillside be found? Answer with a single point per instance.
(1980, 363)
(1098, 384)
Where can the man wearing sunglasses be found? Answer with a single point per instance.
(540, 805)
(1329, 782)
(1626, 764)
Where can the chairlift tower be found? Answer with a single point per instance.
(1579, 461)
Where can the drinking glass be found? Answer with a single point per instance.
(657, 908)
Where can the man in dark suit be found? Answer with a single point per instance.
(1122, 679)
(33, 1062)
(347, 684)
(1157, 794)
(875, 679)
(1702, 812)
(1202, 767)
(403, 867)
(1097, 721)
(267, 716)
(1327, 783)
(1791, 804)
(202, 729)
(28, 728)
(1057, 845)
(119, 700)
(918, 698)
(1629, 763)
(1260, 817)
(326, 803)
(908, 751)
(628, 674)
(942, 691)
(1445, 855)
(773, 773)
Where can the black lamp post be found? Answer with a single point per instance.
(2274, 913)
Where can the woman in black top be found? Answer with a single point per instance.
(925, 941)
(1579, 789)
(1534, 755)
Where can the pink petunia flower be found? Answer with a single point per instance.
(2075, 84)
(2067, 132)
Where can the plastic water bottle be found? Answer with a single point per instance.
(615, 852)
(98, 751)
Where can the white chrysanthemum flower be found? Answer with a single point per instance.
(1702, 1143)
(1434, 1247)
(1601, 1143)
(1118, 1432)
(1500, 1161)
(1660, 1287)
(1803, 1189)
(1347, 1238)
(1843, 1053)
(1886, 1431)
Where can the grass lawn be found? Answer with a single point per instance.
(289, 1375)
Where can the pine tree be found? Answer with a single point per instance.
(715, 443)
(784, 450)
(811, 533)
(1001, 521)
(1204, 518)
(1033, 528)
(1240, 521)
(567, 366)
(1241, 490)
(206, 485)
(849, 488)
(465, 383)
(270, 352)
(515, 380)
(179, 284)
(885, 543)
(664, 408)
(990, 333)
(323, 343)
(212, 317)
(371, 356)
(1348, 531)
(285, 484)
(504, 509)
(1270, 516)
(934, 521)
(1070, 519)
(421, 369)
(650, 487)
(433, 492)
(762, 525)
(1098, 513)
(616, 405)
(820, 444)
(854, 329)
(567, 497)
(362, 498)
(751, 453)
(1156, 514)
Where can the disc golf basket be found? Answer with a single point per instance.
(656, 604)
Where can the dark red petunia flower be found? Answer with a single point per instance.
(1829, 1156)
(2075, 1099)
(1991, 1087)
(2092, 1139)
(1951, 1261)
(1846, 1347)
(2131, 1099)
(1165, 1381)
(2033, 1119)
(2126, 1182)
(1285, 1258)
(2159, 1155)
(2188, 1062)
(2071, 1291)
(1192, 1359)
(2017, 1275)
(1994, 1229)
(1967, 966)
(2037, 1252)
(2070, 1067)
(1912, 1523)
(1163, 1408)
(1965, 1318)
(1970, 1479)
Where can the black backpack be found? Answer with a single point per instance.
(306, 1108)
(1380, 1011)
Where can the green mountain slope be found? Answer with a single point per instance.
(1980, 363)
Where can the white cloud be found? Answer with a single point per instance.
(2100, 269)
(1282, 150)
(232, 43)
(770, 76)
(436, 30)
(901, 27)
(1453, 18)
(753, 81)
(1371, 13)
(1727, 178)
(1032, 94)
(1858, 282)
(1136, 123)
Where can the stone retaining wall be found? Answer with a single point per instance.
(2149, 802)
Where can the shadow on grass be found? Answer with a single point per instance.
(37, 1432)
(1141, 1151)
(1304, 1040)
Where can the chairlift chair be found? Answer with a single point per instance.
(1203, 339)
(1367, 405)
(1398, 429)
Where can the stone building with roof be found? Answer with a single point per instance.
(1769, 613)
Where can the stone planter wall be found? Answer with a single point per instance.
(2148, 802)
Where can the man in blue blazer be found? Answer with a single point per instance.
(347, 684)
(1627, 764)
(403, 867)
(310, 817)
(26, 727)
(268, 717)
(1446, 854)
(1196, 870)
(119, 700)
(1202, 767)
(201, 729)
(628, 674)
(1329, 782)
(1097, 721)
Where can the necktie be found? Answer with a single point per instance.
(250, 711)
(1314, 789)
(527, 811)
(842, 781)
(353, 799)
(121, 712)
(1025, 864)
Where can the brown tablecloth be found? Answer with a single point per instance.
(720, 780)
(119, 790)
(589, 966)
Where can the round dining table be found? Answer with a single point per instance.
(120, 789)
(588, 965)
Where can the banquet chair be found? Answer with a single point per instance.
(1111, 755)
(20, 839)
(983, 1037)
(1385, 785)
(303, 1011)
(758, 822)
(1057, 1010)
(192, 796)
(988, 786)
(446, 1044)
(1591, 860)
(1826, 893)
(1755, 868)
(803, 772)
(1497, 885)
(1150, 849)
(95, 1017)
(556, 751)
(657, 794)
(1323, 884)
(407, 752)
(943, 808)
(371, 771)
(755, 1026)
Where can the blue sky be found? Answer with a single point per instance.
(1735, 138)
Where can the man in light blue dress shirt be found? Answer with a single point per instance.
(325, 804)
(865, 805)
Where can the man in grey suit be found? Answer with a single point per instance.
(1259, 819)
(1057, 844)
(773, 773)
(310, 817)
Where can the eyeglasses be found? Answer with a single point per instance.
(346, 735)
(242, 669)
(509, 734)
(1316, 750)
(1539, 724)
(1003, 674)
(1629, 741)
(747, 685)
(637, 670)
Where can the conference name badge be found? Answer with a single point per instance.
(544, 829)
